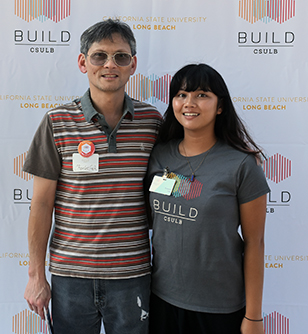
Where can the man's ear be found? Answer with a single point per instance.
(82, 63)
(133, 65)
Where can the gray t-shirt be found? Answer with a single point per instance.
(197, 250)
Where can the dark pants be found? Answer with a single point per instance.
(79, 305)
(168, 319)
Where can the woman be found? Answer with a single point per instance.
(206, 182)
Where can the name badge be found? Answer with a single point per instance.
(85, 165)
(162, 185)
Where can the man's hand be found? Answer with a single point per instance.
(38, 295)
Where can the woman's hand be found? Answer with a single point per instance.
(252, 327)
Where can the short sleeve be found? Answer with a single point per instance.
(251, 180)
(43, 158)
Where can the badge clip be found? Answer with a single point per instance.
(166, 172)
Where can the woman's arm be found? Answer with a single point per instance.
(253, 221)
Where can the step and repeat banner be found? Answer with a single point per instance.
(259, 47)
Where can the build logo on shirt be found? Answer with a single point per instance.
(184, 187)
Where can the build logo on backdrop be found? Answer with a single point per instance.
(36, 39)
(270, 12)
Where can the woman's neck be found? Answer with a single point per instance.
(191, 146)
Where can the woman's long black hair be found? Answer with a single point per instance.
(228, 126)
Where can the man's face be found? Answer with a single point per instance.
(110, 77)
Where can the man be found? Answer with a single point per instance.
(89, 159)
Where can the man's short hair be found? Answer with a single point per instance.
(104, 30)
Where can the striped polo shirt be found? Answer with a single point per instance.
(100, 228)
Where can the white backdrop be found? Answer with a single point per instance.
(259, 46)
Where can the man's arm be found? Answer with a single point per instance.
(37, 291)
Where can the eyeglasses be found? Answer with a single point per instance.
(119, 58)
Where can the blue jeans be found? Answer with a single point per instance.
(79, 305)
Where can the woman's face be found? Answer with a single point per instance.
(196, 111)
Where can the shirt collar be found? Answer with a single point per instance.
(89, 111)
